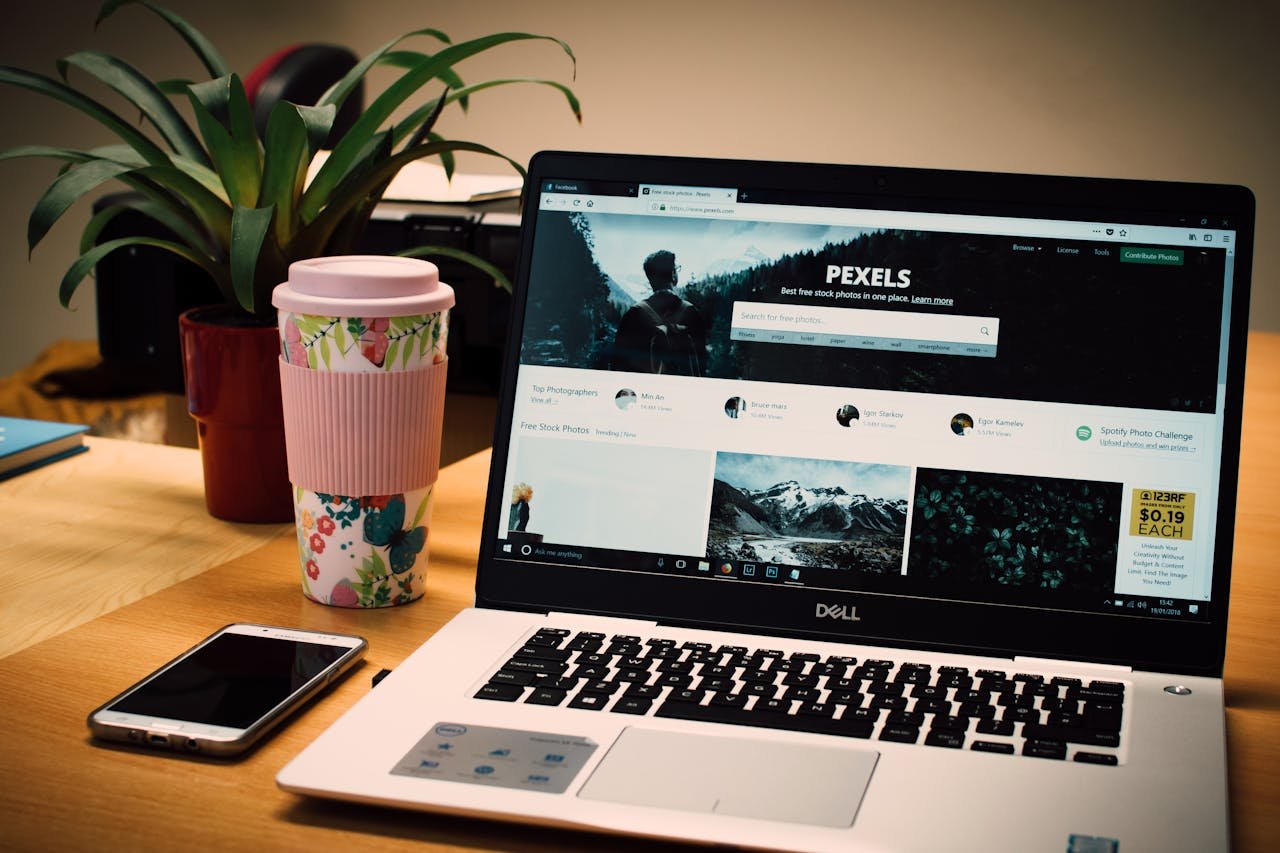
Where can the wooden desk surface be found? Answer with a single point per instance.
(61, 791)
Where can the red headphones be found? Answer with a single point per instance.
(301, 74)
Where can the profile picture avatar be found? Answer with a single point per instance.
(847, 415)
(624, 399)
(735, 406)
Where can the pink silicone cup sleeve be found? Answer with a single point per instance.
(356, 434)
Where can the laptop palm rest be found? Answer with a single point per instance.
(743, 777)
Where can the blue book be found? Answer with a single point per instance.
(27, 444)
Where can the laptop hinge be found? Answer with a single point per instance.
(1053, 663)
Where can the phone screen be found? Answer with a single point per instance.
(232, 681)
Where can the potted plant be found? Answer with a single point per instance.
(240, 206)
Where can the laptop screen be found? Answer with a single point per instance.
(805, 389)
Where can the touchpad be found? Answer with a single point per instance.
(744, 777)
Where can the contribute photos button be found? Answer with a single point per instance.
(1134, 255)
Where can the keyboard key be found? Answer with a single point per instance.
(795, 679)
(953, 670)
(1095, 758)
(589, 701)
(900, 734)
(846, 697)
(994, 727)
(549, 640)
(991, 746)
(764, 691)
(1114, 687)
(500, 692)
(905, 718)
(995, 674)
(536, 666)
(924, 691)
(559, 633)
(1090, 737)
(601, 686)
(1045, 749)
(1021, 715)
(677, 681)
(553, 683)
(755, 676)
(933, 706)
(870, 715)
(644, 691)
(634, 663)
(584, 644)
(804, 694)
(523, 679)
(545, 696)
(817, 709)
(593, 672)
(949, 723)
(981, 710)
(1067, 706)
(632, 705)
(542, 653)
(944, 737)
(729, 700)
(718, 685)
(631, 676)
(889, 703)
(886, 688)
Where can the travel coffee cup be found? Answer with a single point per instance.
(362, 375)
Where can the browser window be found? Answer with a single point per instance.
(733, 384)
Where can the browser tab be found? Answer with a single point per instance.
(673, 193)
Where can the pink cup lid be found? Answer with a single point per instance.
(363, 286)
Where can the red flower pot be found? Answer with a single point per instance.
(233, 392)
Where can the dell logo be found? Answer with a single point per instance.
(837, 611)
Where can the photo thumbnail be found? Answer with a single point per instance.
(809, 512)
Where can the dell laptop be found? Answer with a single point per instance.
(843, 508)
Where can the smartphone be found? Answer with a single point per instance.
(221, 696)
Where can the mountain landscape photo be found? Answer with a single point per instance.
(832, 515)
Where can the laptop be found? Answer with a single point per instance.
(843, 508)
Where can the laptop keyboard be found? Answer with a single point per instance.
(946, 706)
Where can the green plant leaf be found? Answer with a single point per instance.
(338, 92)
(346, 152)
(446, 157)
(64, 191)
(248, 230)
(129, 83)
(499, 277)
(175, 86)
(203, 48)
(390, 358)
(410, 58)
(133, 137)
(225, 120)
(146, 207)
(405, 127)
(89, 259)
(293, 136)
(183, 194)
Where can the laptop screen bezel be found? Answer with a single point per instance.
(1192, 647)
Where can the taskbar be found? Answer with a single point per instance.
(530, 547)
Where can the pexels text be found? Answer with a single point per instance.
(868, 276)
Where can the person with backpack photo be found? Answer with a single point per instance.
(663, 333)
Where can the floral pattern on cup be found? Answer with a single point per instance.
(363, 343)
(362, 551)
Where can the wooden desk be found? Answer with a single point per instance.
(60, 791)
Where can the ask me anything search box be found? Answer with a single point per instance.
(859, 328)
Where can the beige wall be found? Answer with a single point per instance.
(1175, 91)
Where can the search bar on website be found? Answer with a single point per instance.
(859, 328)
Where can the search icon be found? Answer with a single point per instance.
(985, 331)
